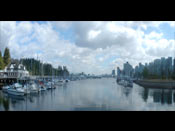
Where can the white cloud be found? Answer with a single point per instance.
(98, 48)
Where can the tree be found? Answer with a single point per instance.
(145, 72)
(7, 57)
(60, 71)
(65, 71)
(1, 62)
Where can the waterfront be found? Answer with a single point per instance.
(93, 95)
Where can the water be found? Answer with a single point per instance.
(92, 95)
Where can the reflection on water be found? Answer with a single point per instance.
(164, 97)
(145, 94)
(94, 95)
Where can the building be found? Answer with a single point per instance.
(118, 71)
(113, 72)
(128, 70)
(174, 65)
(14, 70)
(169, 67)
(157, 67)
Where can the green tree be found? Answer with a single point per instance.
(7, 57)
(60, 71)
(1, 62)
(145, 72)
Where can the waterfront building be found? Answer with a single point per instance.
(14, 70)
(157, 67)
(163, 66)
(118, 71)
(174, 65)
(141, 68)
(168, 69)
(113, 72)
(128, 70)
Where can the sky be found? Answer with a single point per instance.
(93, 47)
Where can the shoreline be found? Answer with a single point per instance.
(159, 84)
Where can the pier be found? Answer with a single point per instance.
(10, 80)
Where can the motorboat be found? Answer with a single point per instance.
(42, 86)
(50, 85)
(60, 82)
(67, 80)
(26, 89)
(121, 82)
(130, 83)
(5, 88)
(33, 88)
(16, 89)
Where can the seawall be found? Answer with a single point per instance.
(156, 84)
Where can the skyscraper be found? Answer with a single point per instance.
(128, 69)
(113, 72)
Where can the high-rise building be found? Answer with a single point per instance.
(157, 67)
(174, 65)
(168, 68)
(128, 70)
(118, 71)
(141, 67)
(113, 72)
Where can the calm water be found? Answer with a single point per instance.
(94, 95)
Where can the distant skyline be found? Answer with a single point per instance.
(93, 47)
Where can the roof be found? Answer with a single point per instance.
(15, 64)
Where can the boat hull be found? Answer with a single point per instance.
(15, 92)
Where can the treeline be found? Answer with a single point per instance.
(35, 67)
(5, 58)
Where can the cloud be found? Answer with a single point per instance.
(98, 48)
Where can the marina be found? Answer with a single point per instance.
(91, 95)
(87, 66)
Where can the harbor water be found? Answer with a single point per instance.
(92, 95)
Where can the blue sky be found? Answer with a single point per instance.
(68, 43)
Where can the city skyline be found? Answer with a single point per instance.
(90, 47)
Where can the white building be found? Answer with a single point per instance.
(14, 70)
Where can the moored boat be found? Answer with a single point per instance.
(16, 89)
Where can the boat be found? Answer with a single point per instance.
(126, 83)
(60, 83)
(121, 82)
(5, 88)
(67, 80)
(16, 89)
(130, 83)
(26, 89)
(33, 88)
(42, 86)
(49, 85)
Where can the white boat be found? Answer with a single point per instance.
(121, 82)
(42, 87)
(60, 82)
(33, 88)
(50, 85)
(16, 89)
(5, 88)
(26, 89)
